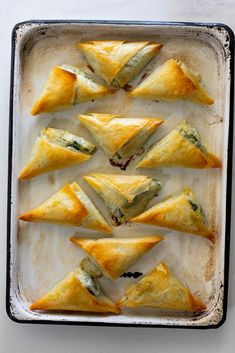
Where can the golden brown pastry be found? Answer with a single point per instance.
(78, 291)
(120, 138)
(66, 86)
(124, 195)
(182, 213)
(118, 62)
(182, 147)
(115, 255)
(56, 149)
(70, 206)
(160, 289)
(173, 81)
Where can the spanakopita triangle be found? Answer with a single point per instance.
(66, 86)
(120, 138)
(115, 256)
(124, 195)
(173, 81)
(56, 149)
(70, 206)
(118, 62)
(182, 147)
(181, 213)
(161, 289)
(78, 291)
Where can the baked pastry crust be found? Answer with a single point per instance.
(118, 62)
(65, 86)
(124, 195)
(49, 154)
(160, 289)
(120, 138)
(71, 294)
(70, 206)
(181, 213)
(173, 81)
(182, 147)
(115, 255)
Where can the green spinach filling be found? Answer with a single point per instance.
(192, 135)
(66, 139)
(132, 148)
(90, 267)
(75, 70)
(130, 209)
(198, 209)
(80, 147)
(90, 283)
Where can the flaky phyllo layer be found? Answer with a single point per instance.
(161, 289)
(56, 149)
(78, 291)
(120, 138)
(182, 213)
(173, 81)
(118, 62)
(113, 256)
(69, 206)
(182, 147)
(125, 196)
(66, 86)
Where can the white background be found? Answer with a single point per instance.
(65, 339)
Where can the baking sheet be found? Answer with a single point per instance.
(42, 253)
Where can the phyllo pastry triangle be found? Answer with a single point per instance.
(115, 255)
(124, 195)
(173, 81)
(118, 62)
(70, 206)
(56, 149)
(182, 147)
(182, 213)
(120, 138)
(161, 289)
(78, 291)
(66, 86)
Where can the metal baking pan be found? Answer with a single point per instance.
(38, 255)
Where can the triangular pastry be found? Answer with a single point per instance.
(118, 62)
(70, 206)
(66, 86)
(182, 147)
(115, 255)
(173, 81)
(56, 149)
(124, 195)
(78, 291)
(182, 213)
(120, 138)
(161, 289)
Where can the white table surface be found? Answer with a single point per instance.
(65, 339)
